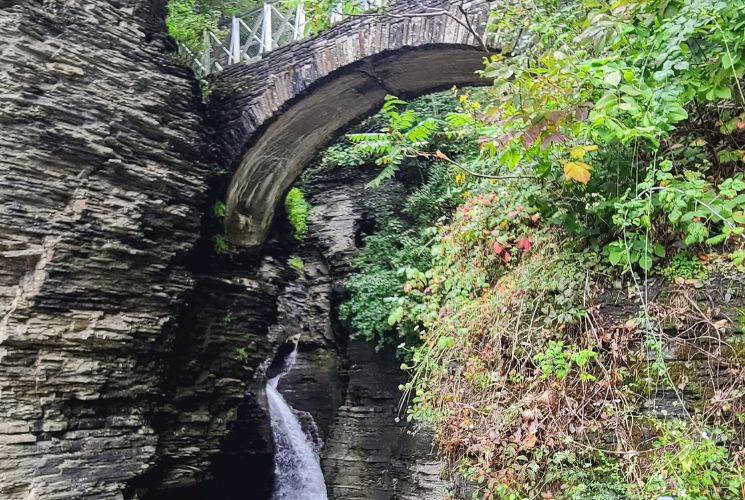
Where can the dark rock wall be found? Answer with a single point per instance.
(350, 390)
(101, 186)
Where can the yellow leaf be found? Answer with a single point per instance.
(579, 152)
(578, 171)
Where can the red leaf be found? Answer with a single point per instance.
(740, 125)
(524, 243)
(549, 138)
(497, 247)
(505, 139)
(583, 112)
(535, 217)
(507, 256)
(531, 135)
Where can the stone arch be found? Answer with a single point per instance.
(274, 115)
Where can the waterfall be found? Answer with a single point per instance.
(297, 466)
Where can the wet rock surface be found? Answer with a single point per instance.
(102, 181)
(350, 390)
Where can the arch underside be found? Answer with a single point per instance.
(312, 121)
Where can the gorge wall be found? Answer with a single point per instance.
(103, 180)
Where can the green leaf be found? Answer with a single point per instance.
(645, 261)
(396, 315)
(615, 257)
(630, 90)
(445, 342)
(723, 92)
(613, 78)
(715, 240)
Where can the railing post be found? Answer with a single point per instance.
(336, 12)
(206, 52)
(299, 22)
(235, 41)
(266, 28)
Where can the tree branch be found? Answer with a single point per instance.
(442, 156)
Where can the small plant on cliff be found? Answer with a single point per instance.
(297, 209)
(220, 243)
(296, 262)
(690, 463)
(685, 266)
(219, 210)
(240, 354)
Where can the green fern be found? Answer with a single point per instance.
(404, 136)
(422, 131)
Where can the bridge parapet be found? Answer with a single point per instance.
(260, 30)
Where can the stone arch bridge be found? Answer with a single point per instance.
(272, 116)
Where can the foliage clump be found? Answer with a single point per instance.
(298, 210)
(685, 266)
(609, 152)
(187, 20)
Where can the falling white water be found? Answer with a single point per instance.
(297, 467)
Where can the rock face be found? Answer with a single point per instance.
(102, 183)
(350, 390)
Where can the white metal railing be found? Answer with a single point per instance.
(258, 31)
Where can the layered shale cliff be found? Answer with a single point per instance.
(102, 182)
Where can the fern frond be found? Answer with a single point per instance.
(403, 121)
(367, 137)
(422, 131)
(391, 102)
(392, 162)
(459, 119)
